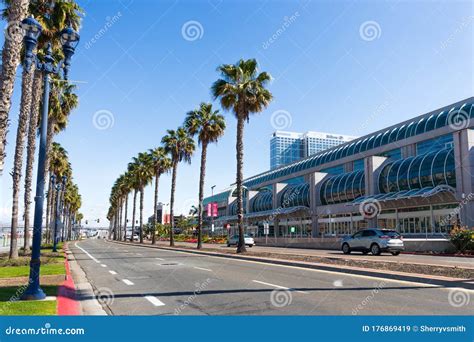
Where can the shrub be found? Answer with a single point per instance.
(462, 239)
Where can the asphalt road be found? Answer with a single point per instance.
(132, 280)
(466, 262)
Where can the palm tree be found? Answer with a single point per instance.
(53, 19)
(133, 185)
(209, 126)
(161, 164)
(143, 172)
(180, 145)
(15, 12)
(241, 89)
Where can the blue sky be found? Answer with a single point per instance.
(349, 67)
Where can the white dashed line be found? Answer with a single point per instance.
(203, 269)
(159, 259)
(128, 282)
(87, 253)
(113, 272)
(103, 265)
(277, 286)
(155, 301)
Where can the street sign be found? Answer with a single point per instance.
(212, 227)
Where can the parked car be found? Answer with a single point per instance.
(373, 240)
(136, 237)
(234, 240)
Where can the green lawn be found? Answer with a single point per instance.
(24, 271)
(9, 307)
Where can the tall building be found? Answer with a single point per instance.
(416, 176)
(288, 147)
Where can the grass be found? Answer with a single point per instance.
(24, 271)
(10, 307)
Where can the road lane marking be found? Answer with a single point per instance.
(103, 265)
(159, 259)
(203, 269)
(87, 253)
(113, 272)
(278, 286)
(342, 272)
(139, 254)
(128, 282)
(155, 301)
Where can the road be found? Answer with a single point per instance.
(133, 280)
(466, 262)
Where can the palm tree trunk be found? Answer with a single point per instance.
(133, 213)
(240, 165)
(155, 208)
(202, 176)
(10, 60)
(48, 209)
(173, 188)
(18, 159)
(125, 219)
(30, 152)
(142, 193)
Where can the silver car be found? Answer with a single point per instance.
(374, 241)
(234, 240)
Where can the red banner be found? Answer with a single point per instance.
(214, 209)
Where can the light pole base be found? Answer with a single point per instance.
(32, 293)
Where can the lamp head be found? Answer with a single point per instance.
(69, 41)
(32, 30)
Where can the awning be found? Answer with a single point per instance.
(267, 214)
(405, 194)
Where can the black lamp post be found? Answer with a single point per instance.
(69, 40)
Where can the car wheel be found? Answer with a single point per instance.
(346, 249)
(375, 249)
(250, 246)
(228, 245)
(395, 253)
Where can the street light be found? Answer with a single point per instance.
(212, 208)
(69, 40)
(56, 187)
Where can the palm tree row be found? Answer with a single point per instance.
(53, 16)
(241, 89)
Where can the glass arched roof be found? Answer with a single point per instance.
(404, 130)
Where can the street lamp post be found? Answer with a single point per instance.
(212, 211)
(69, 40)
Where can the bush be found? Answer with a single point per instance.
(462, 239)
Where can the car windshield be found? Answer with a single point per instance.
(391, 233)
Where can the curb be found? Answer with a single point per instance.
(67, 303)
(392, 275)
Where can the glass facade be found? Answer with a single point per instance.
(342, 188)
(393, 134)
(426, 170)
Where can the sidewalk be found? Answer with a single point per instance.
(447, 276)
